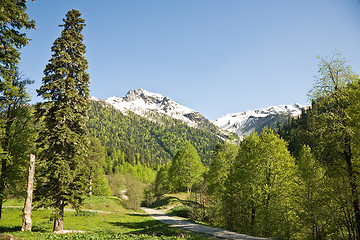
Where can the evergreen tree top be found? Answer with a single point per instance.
(13, 19)
(73, 19)
(66, 69)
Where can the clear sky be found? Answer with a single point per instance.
(214, 56)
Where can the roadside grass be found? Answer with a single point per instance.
(121, 224)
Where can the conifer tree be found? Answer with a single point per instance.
(63, 138)
(13, 20)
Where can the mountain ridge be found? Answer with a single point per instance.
(143, 102)
(150, 105)
(244, 123)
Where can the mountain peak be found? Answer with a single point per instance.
(150, 105)
(246, 122)
(145, 103)
(141, 93)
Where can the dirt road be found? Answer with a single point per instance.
(190, 226)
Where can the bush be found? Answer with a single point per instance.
(198, 213)
(117, 183)
(134, 192)
(181, 211)
(85, 213)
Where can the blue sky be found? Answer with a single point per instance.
(215, 57)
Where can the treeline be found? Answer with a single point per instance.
(299, 182)
(134, 139)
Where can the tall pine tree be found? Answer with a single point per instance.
(63, 140)
(13, 20)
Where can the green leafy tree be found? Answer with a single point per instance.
(162, 184)
(17, 133)
(222, 161)
(186, 168)
(134, 192)
(260, 187)
(63, 138)
(313, 196)
(335, 97)
(223, 158)
(96, 158)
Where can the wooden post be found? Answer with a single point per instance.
(27, 223)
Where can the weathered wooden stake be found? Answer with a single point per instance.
(27, 223)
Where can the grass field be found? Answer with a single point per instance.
(119, 224)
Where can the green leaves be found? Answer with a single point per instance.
(16, 136)
(333, 75)
(186, 168)
(260, 186)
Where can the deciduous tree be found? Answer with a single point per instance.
(260, 187)
(336, 97)
(17, 133)
(186, 168)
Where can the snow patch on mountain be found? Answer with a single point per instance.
(244, 123)
(144, 103)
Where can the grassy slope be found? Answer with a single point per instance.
(168, 201)
(121, 224)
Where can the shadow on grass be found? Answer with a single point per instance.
(10, 229)
(150, 227)
(138, 214)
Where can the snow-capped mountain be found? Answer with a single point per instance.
(146, 104)
(154, 105)
(244, 123)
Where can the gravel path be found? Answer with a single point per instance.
(190, 226)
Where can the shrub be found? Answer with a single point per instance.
(181, 211)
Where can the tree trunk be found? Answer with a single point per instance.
(27, 223)
(59, 217)
(354, 187)
(252, 219)
(2, 183)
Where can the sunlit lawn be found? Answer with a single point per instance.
(120, 224)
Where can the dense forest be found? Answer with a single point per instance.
(134, 139)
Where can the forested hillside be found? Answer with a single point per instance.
(135, 139)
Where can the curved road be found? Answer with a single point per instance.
(190, 226)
